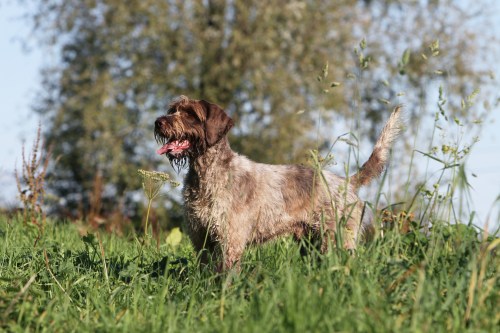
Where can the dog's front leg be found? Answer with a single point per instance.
(232, 252)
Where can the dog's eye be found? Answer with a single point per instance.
(191, 114)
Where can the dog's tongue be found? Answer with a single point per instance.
(173, 147)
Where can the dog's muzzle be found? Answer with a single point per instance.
(171, 146)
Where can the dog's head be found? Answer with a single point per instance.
(189, 128)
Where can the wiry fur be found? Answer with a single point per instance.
(232, 202)
(375, 165)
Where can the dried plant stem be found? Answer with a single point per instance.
(53, 276)
(18, 296)
(103, 258)
(31, 182)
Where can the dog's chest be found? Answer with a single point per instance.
(204, 199)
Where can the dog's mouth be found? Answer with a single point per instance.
(174, 148)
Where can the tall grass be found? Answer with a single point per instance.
(445, 282)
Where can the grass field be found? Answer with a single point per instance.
(447, 281)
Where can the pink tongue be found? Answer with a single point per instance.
(173, 147)
(163, 150)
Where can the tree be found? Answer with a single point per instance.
(122, 62)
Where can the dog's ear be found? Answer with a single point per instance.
(217, 122)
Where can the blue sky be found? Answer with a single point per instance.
(20, 80)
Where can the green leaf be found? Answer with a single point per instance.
(174, 238)
(325, 70)
(406, 57)
(362, 44)
(89, 239)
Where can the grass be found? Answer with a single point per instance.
(446, 282)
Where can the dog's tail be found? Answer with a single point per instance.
(376, 163)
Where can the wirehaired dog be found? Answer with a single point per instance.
(232, 202)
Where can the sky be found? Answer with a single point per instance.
(20, 80)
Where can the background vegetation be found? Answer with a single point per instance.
(119, 64)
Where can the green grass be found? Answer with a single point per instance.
(446, 282)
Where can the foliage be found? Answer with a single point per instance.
(120, 63)
(446, 282)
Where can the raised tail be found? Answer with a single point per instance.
(376, 163)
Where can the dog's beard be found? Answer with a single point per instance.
(178, 163)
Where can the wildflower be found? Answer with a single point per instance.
(152, 182)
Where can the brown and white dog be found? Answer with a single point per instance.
(232, 202)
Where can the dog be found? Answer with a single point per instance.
(232, 202)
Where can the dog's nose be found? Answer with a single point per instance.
(159, 122)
